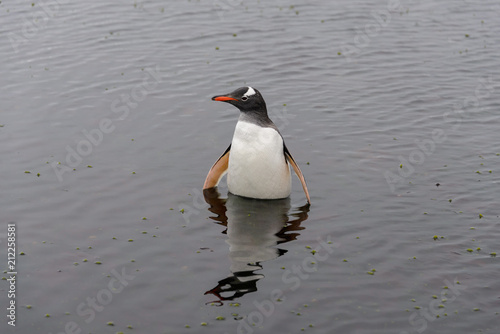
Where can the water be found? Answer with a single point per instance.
(110, 104)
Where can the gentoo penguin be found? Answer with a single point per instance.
(257, 161)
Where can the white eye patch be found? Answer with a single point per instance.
(249, 92)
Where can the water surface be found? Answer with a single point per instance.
(391, 110)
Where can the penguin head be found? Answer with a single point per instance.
(247, 99)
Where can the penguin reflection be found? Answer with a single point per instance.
(254, 227)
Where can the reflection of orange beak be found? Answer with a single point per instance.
(223, 98)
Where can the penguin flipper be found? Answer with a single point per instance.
(298, 172)
(218, 170)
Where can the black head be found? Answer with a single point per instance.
(247, 99)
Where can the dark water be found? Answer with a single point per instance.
(390, 108)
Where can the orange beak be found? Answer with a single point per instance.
(223, 98)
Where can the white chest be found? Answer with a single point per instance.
(257, 166)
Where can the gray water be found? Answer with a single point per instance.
(107, 132)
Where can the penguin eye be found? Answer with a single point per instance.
(244, 98)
